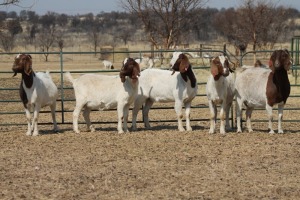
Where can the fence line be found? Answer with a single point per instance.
(62, 88)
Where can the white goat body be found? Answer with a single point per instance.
(104, 92)
(156, 85)
(37, 90)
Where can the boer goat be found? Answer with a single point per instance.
(220, 91)
(37, 90)
(263, 88)
(157, 85)
(107, 64)
(106, 92)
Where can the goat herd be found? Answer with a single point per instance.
(254, 87)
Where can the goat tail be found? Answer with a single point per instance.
(69, 77)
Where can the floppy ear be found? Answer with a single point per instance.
(28, 65)
(287, 65)
(214, 68)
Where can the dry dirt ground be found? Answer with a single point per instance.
(161, 163)
(156, 164)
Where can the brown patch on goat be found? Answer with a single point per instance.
(278, 84)
(183, 65)
(131, 69)
(23, 65)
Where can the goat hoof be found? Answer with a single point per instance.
(28, 133)
(189, 129)
(280, 131)
(250, 130)
(35, 133)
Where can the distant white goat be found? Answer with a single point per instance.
(107, 64)
(156, 85)
(220, 91)
(263, 88)
(106, 92)
(37, 90)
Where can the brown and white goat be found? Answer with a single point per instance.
(37, 90)
(220, 91)
(263, 88)
(94, 91)
(157, 85)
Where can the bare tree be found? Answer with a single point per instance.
(164, 20)
(9, 2)
(257, 23)
(45, 39)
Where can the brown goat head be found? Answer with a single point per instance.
(131, 69)
(182, 64)
(22, 63)
(279, 59)
(219, 66)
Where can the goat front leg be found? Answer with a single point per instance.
(227, 110)
(178, 110)
(213, 111)
(269, 110)
(187, 115)
(125, 117)
(28, 118)
(280, 116)
(222, 118)
(53, 108)
(36, 112)
(120, 117)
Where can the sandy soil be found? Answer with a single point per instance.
(161, 163)
(156, 164)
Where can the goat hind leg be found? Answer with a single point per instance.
(248, 119)
(35, 120)
(53, 107)
(86, 116)
(269, 110)
(213, 112)
(146, 109)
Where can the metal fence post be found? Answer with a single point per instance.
(62, 87)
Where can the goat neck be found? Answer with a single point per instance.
(278, 84)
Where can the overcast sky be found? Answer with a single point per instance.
(73, 7)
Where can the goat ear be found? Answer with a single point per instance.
(271, 66)
(28, 69)
(214, 68)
